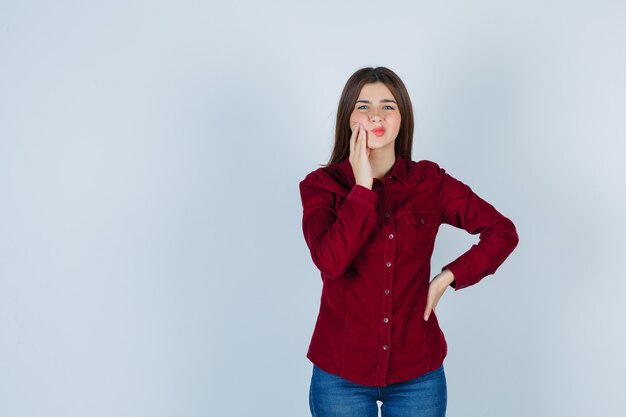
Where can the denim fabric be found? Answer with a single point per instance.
(333, 396)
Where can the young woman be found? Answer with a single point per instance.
(370, 218)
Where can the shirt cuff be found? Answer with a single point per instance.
(363, 194)
(469, 268)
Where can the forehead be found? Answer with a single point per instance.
(376, 90)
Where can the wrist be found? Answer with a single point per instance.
(447, 276)
(367, 185)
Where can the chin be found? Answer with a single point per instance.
(380, 143)
(381, 147)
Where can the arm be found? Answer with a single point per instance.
(462, 208)
(334, 236)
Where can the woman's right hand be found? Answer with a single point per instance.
(359, 157)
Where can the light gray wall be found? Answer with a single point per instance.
(151, 254)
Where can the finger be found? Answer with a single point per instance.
(363, 141)
(365, 148)
(428, 309)
(353, 137)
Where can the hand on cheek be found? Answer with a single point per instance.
(359, 157)
(359, 124)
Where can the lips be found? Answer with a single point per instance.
(379, 131)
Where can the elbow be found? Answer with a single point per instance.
(503, 239)
(508, 239)
(513, 237)
(515, 241)
(329, 267)
(328, 263)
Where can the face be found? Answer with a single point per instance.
(376, 109)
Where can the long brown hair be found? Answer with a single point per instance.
(351, 91)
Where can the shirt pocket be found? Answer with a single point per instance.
(419, 220)
(420, 229)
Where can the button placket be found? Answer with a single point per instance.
(389, 251)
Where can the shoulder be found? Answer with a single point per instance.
(318, 176)
(424, 165)
(424, 170)
(313, 176)
(327, 176)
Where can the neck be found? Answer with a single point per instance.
(381, 161)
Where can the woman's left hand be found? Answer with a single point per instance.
(437, 287)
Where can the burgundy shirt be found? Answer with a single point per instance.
(373, 249)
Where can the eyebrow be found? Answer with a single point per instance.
(385, 100)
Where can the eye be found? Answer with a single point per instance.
(363, 107)
(389, 108)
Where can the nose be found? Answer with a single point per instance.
(375, 117)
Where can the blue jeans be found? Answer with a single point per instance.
(333, 396)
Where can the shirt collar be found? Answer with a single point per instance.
(398, 170)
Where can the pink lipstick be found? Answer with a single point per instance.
(379, 131)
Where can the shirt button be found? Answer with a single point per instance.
(387, 215)
(390, 235)
(388, 264)
(385, 347)
(386, 291)
(422, 221)
(386, 320)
